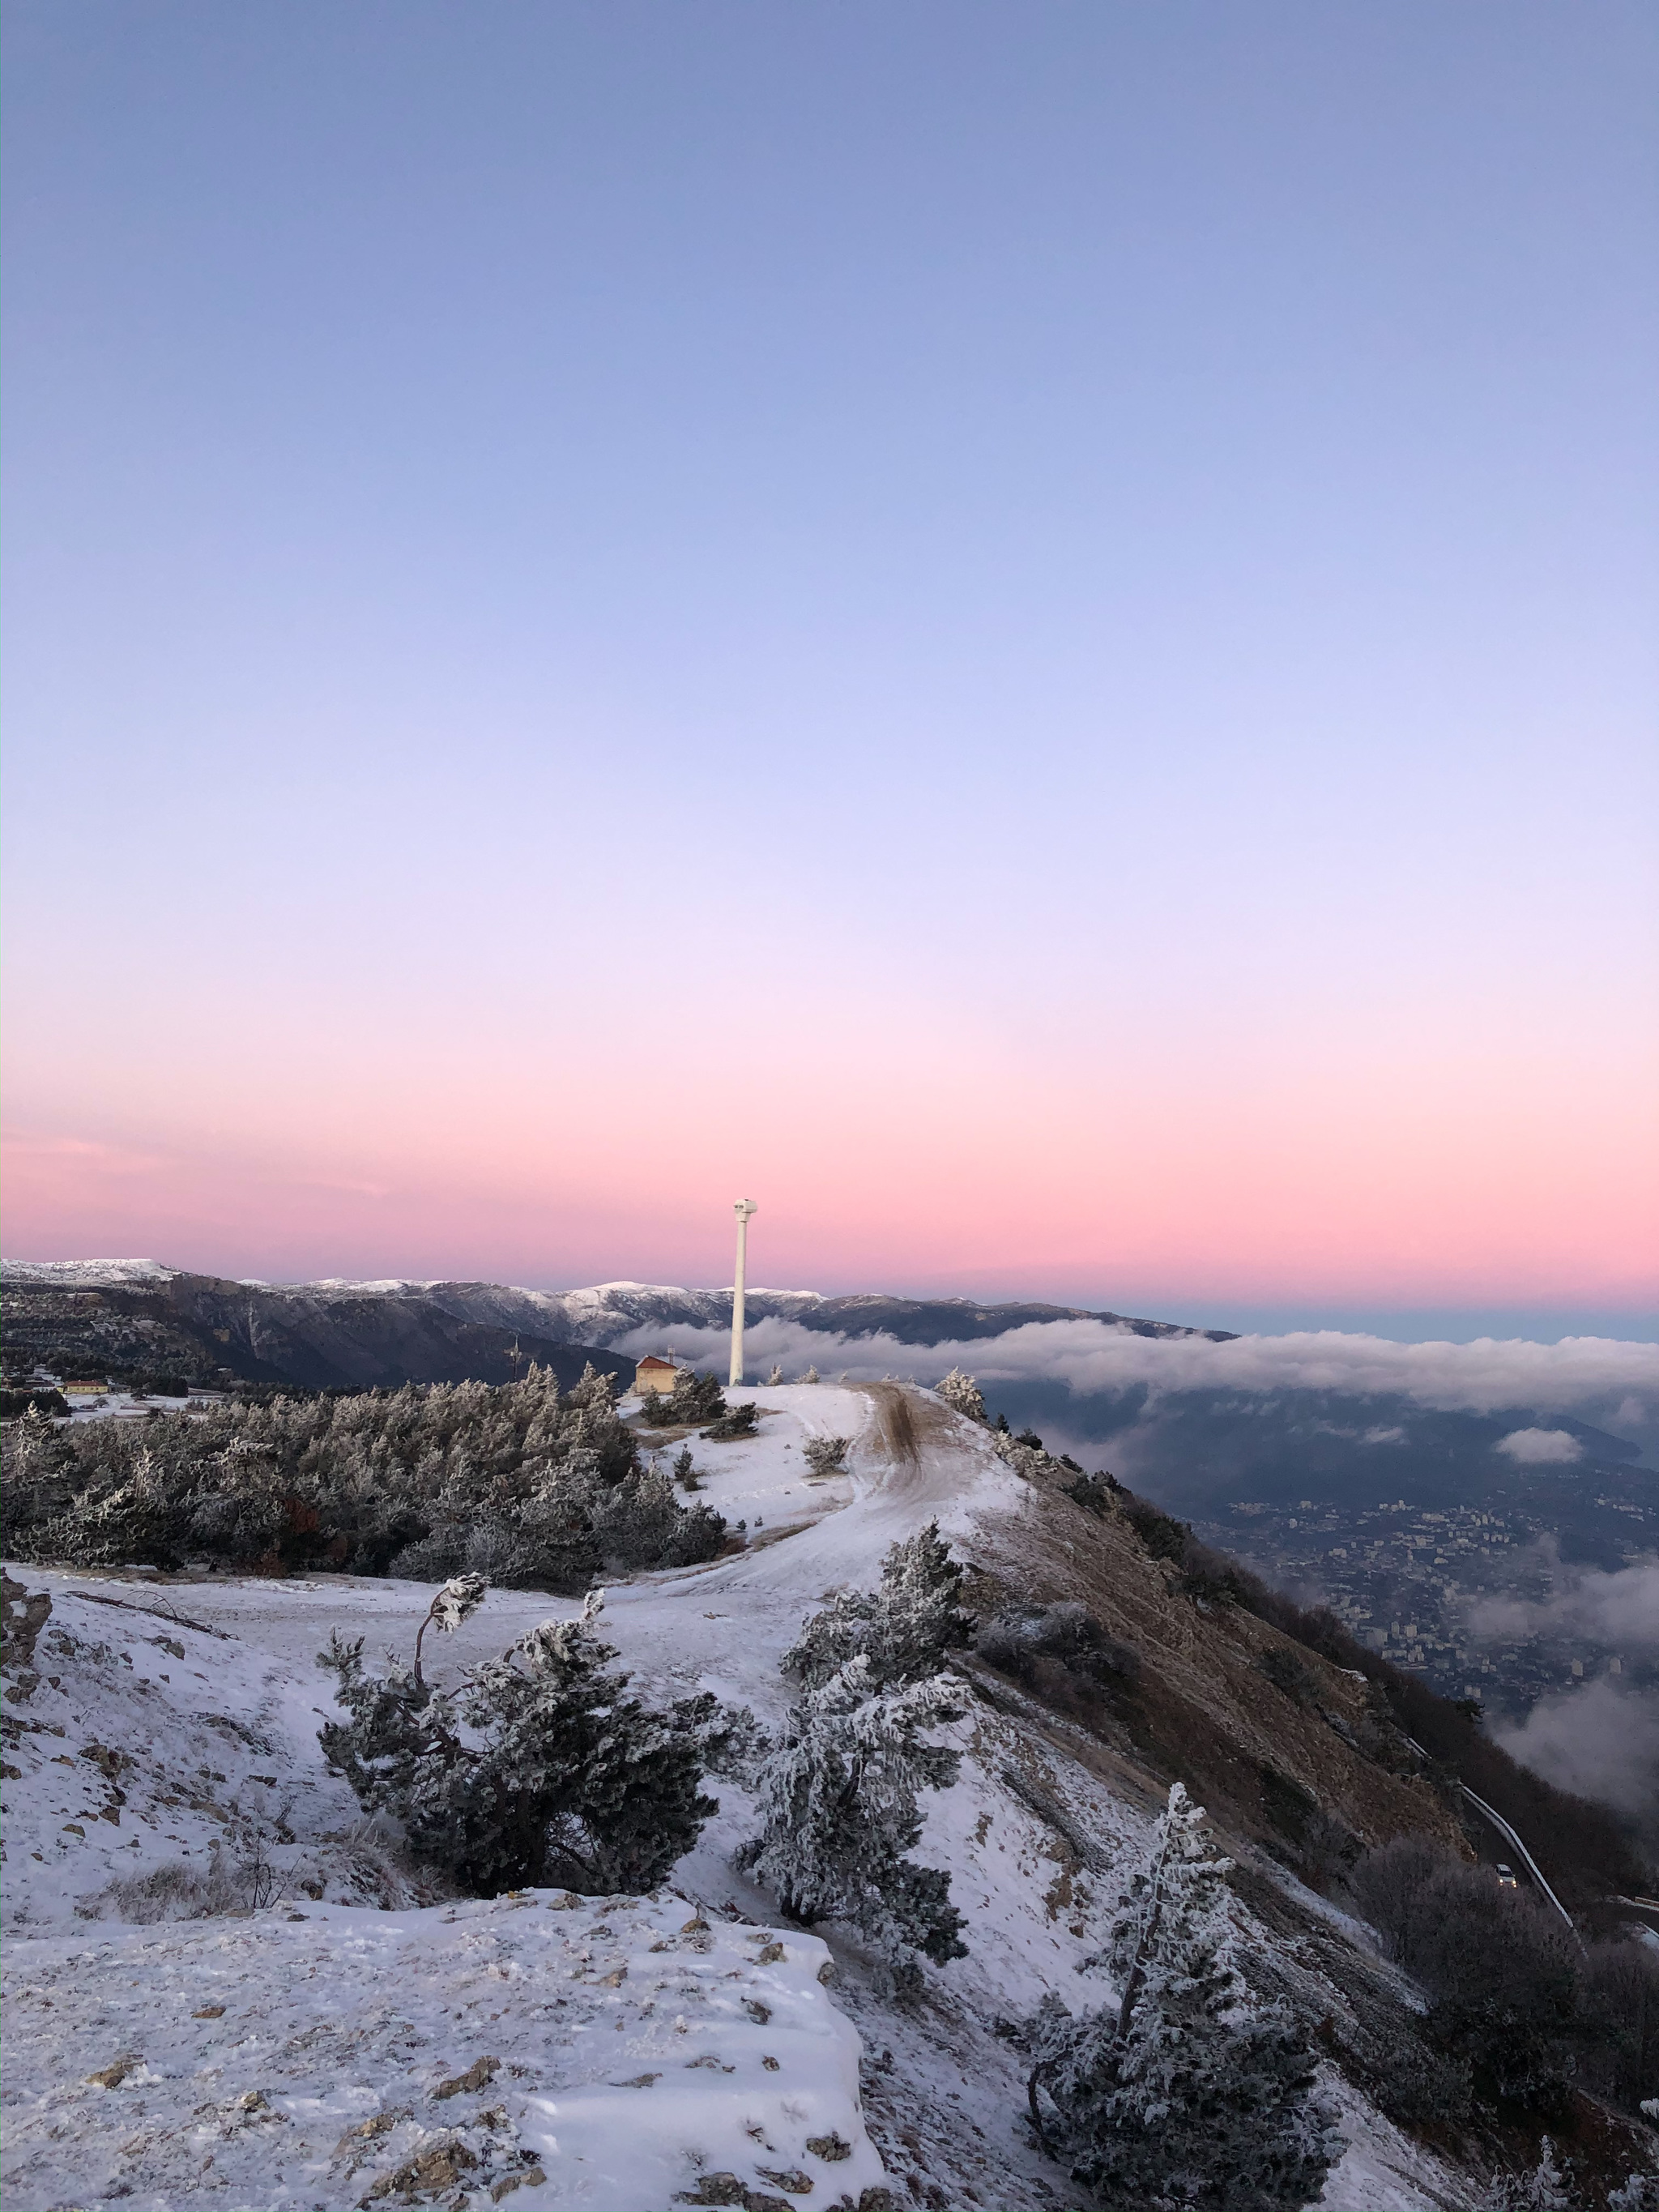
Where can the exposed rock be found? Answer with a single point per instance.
(478, 2076)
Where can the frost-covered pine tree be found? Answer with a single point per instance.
(595, 1391)
(905, 1629)
(774, 1377)
(1546, 2189)
(810, 1376)
(837, 1802)
(826, 1455)
(963, 1392)
(538, 1768)
(1178, 2095)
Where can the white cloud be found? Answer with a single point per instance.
(1590, 1375)
(1616, 1608)
(1598, 1741)
(1540, 1447)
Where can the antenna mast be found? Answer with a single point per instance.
(743, 1207)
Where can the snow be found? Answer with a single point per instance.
(122, 1406)
(942, 2089)
(76, 1274)
(612, 2050)
(146, 1744)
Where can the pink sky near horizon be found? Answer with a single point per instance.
(1491, 1191)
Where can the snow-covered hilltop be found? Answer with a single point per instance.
(333, 2034)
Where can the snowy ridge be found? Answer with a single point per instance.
(85, 1274)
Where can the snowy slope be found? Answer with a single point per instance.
(143, 1744)
(604, 2053)
(1032, 1833)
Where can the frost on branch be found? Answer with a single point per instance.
(904, 1630)
(537, 1768)
(962, 1392)
(837, 1794)
(837, 1802)
(458, 1600)
(1177, 2094)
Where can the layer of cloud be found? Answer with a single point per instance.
(1616, 1608)
(1598, 1741)
(1540, 1447)
(1596, 1378)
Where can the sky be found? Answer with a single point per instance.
(1023, 632)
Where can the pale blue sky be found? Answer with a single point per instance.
(1135, 523)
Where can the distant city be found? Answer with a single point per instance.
(1410, 1581)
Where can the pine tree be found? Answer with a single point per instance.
(595, 1391)
(837, 1804)
(826, 1455)
(538, 1769)
(1547, 2185)
(775, 1377)
(1176, 2095)
(962, 1392)
(1546, 2189)
(905, 1629)
(142, 1522)
(810, 1376)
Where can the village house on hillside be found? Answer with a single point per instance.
(656, 1374)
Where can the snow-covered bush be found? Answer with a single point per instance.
(826, 1455)
(537, 1768)
(837, 1802)
(962, 1392)
(1016, 1640)
(905, 1629)
(1545, 2188)
(736, 1421)
(1178, 2094)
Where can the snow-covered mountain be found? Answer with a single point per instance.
(342, 1331)
(100, 1318)
(634, 2053)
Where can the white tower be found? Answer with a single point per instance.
(743, 1207)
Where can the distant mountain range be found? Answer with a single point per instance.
(139, 1314)
(132, 1318)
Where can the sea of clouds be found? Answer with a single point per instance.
(1600, 1738)
(1606, 1381)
